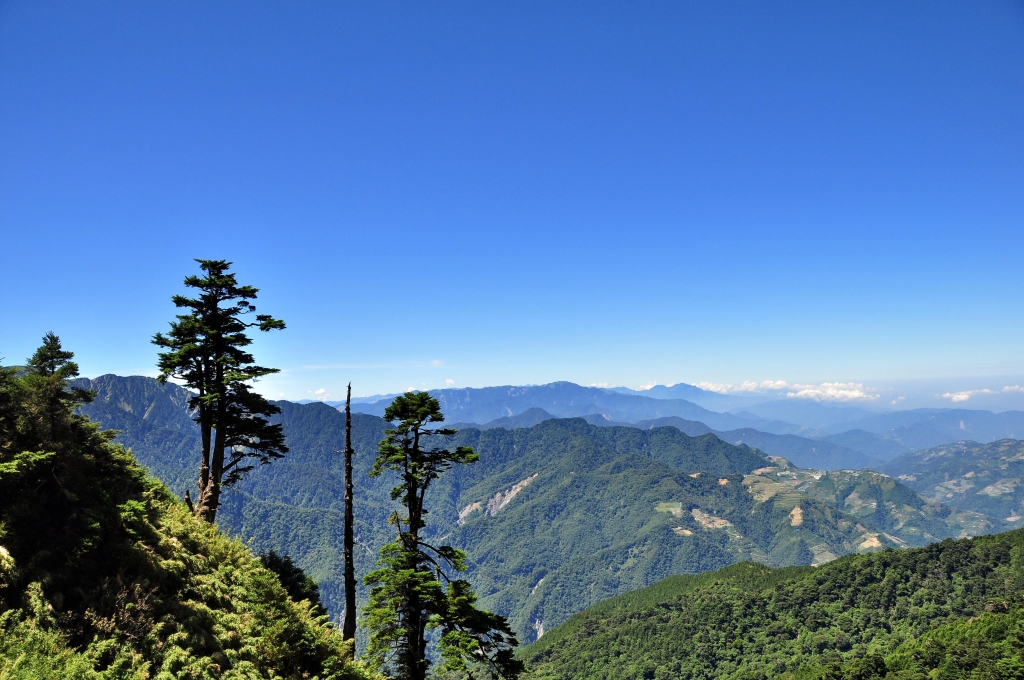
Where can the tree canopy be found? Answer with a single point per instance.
(413, 591)
(206, 349)
(104, 575)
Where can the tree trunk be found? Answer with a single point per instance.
(210, 500)
(348, 630)
(206, 430)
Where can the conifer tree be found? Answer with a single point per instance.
(413, 591)
(205, 348)
(49, 370)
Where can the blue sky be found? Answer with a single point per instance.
(505, 193)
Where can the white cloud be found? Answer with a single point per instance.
(646, 386)
(836, 391)
(320, 394)
(437, 362)
(898, 400)
(957, 397)
(600, 385)
(721, 388)
(746, 386)
(965, 395)
(449, 382)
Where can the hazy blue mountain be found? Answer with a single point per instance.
(153, 419)
(809, 413)
(924, 428)
(880, 446)
(712, 401)
(567, 400)
(554, 516)
(527, 418)
(987, 478)
(801, 451)
(690, 427)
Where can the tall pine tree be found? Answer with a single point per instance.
(205, 348)
(414, 591)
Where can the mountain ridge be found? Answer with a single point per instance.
(630, 505)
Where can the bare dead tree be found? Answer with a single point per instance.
(348, 630)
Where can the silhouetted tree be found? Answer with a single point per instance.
(205, 349)
(348, 630)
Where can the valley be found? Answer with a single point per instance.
(560, 513)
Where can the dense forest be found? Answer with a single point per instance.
(604, 510)
(954, 609)
(105, 574)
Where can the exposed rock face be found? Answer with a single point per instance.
(497, 501)
(500, 500)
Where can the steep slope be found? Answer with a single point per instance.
(854, 617)
(883, 503)
(554, 516)
(619, 510)
(986, 478)
(801, 451)
(104, 575)
(154, 421)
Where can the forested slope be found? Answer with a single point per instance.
(103, 574)
(555, 517)
(987, 478)
(954, 606)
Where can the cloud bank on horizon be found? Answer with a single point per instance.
(827, 391)
(965, 395)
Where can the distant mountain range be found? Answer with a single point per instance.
(801, 451)
(568, 400)
(555, 516)
(829, 436)
(925, 428)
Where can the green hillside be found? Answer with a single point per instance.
(985, 478)
(953, 607)
(887, 504)
(555, 517)
(103, 574)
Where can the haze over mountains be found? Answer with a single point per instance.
(559, 513)
(809, 433)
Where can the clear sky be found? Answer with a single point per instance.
(504, 193)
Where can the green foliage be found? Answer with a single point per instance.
(297, 584)
(412, 591)
(885, 503)
(895, 613)
(985, 478)
(585, 528)
(205, 348)
(104, 575)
